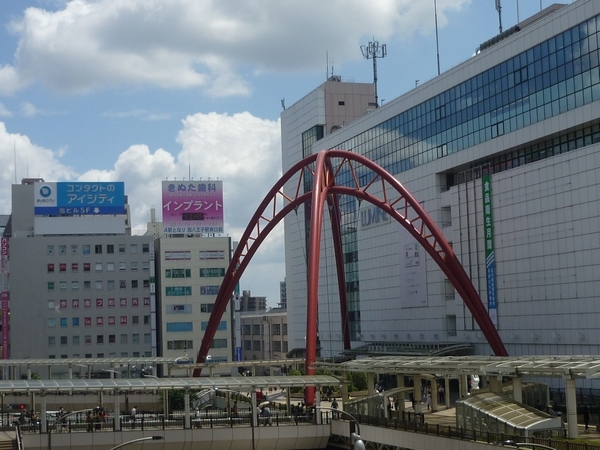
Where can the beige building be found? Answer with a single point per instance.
(264, 337)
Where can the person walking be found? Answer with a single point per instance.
(586, 418)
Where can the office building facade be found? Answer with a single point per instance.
(502, 151)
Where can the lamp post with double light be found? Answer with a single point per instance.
(62, 419)
(133, 441)
(356, 442)
(511, 443)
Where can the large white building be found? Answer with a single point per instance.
(523, 115)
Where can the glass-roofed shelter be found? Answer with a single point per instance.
(490, 412)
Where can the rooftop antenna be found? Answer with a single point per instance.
(374, 51)
(499, 9)
(437, 41)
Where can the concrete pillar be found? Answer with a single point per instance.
(70, 372)
(117, 410)
(400, 404)
(29, 372)
(496, 385)
(463, 386)
(571, 408)
(166, 403)
(100, 399)
(447, 392)
(344, 392)
(370, 383)
(43, 413)
(317, 404)
(518, 389)
(417, 391)
(186, 409)
(288, 401)
(434, 396)
(254, 408)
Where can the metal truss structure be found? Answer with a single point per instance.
(367, 181)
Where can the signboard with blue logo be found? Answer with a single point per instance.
(79, 198)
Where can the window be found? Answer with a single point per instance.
(451, 325)
(63, 285)
(100, 339)
(146, 283)
(62, 249)
(74, 267)
(74, 249)
(63, 322)
(136, 354)
(111, 302)
(97, 249)
(147, 338)
(145, 265)
(276, 346)
(86, 249)
(51, 323)
(175, 327)
(222, 325)
(276, 329)
(74, 285)
(87, 285)
(112, 338)
(64, 340)
(50, 268)
(123, 320)
(50, 304)
(87, 303)
(50, 285)
(75, 303)
(123, 339)
(122, 284)
(124, 354)
(247, 330)
(285, 329)
(134, 266)
(256, 330)
(110, 267)
(122, 266)
(248, 345)
(146, 320)
(180, 345)
(51, 341)
(146, 301)
(86, 267)
(206, 307)
(63, 267)
(135, 338)
(98, 267)
(134, 248)
(88, 341)
(134, 284)
(145, 248)
(122, 248)
(110, 285)
(87, 321)
(135, 320)
(99, 303)
(123, 302)
(75, 341)
(256, 345)
(63, 304)
(135, 301)
(110, 248)
(219, 343)
(50, 250)
(75, 321)
(98, 285)
(112, 320)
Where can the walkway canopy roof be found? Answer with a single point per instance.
(243, 384)
(535, 366)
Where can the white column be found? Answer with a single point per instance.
(434, 396)
(43, 413)
(571, 408)
(317, 404)
(254, 409)
(463, 386)
(447, 392)
(417, 391)
(186, 409)
(117, 410)
(496, 384)
(518, 389)
(400, 404)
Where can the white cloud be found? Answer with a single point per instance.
(140, 114)
(4, 111)
(207, 44)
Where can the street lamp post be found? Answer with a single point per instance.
(147, 438)
(61, 419)
(356, 442)
(512, 443)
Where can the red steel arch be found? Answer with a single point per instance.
(391, 197)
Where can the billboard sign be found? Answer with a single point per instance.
(79, 198)
(192, 207)
(490, 256)
(5, 330)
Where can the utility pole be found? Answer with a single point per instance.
(373, 51)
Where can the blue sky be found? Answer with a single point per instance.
(143, 90)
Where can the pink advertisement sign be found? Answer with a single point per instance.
(192, 207)
(5, 347)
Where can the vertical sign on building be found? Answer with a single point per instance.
(4, 298)
(490, 258)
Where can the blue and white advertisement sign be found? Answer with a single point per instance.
(79, 198)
